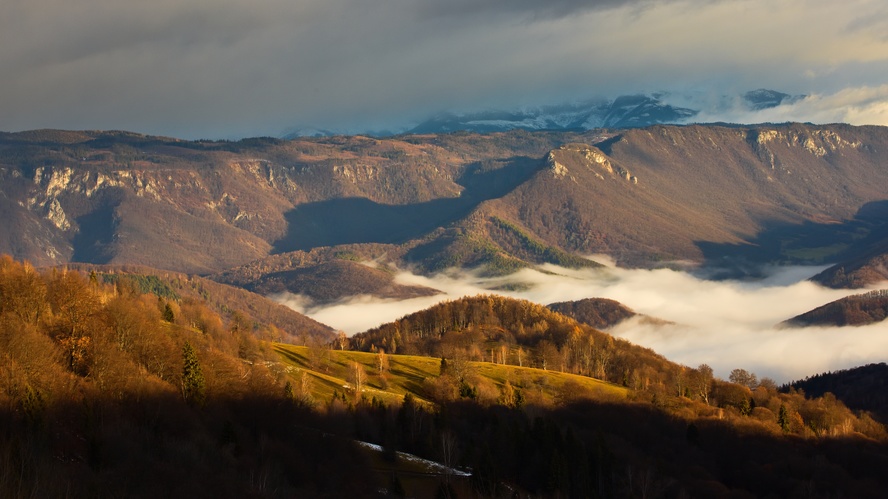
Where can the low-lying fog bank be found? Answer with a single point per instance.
(726, 324)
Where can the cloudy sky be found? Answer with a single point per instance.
(226, 68)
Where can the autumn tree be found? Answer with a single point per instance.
(701, 382)
(305, 387)
(743, 377)
(318, 355)
(72, 300)
(22, 291)
(382, 368)
(341, 341)
(357, 376)
(508, 397)
(382, 361)
(680, 381)
(549, 355)
(73, 303)
(130, 320)
(239, 323)
(602, 357)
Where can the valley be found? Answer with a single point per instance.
(286, 299)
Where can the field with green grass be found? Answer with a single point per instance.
(327, 371)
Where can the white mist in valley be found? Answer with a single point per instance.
(726, 324)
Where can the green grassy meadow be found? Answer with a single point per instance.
(328, 371)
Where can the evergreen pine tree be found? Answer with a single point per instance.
(783, 418)
(745, 408)
(168, 314)
(193, 384)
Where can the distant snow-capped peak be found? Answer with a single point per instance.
(627, 111)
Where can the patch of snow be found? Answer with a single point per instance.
(416, 459)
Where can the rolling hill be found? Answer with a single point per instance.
(329, 281)
(855, 310)
(600, 313)
(857, 273)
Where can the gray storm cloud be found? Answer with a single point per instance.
(726, 324)
(532, 9)
(195, 68)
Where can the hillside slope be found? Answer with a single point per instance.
(855, 310)
(265, 318)
(506, 200)
(331, 280)
(863, 388)
(688, 193)
(856, 273)
(600, 313)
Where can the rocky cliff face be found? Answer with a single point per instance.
(589, 157)
(688, 193)
(644, 196)
(205, 206)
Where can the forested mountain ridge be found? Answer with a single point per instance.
(260, 315)
(503, 200)
(860, 388)
(859, 272)
(600, 313)
(854, 310)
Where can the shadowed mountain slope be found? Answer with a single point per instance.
(869, 264)
(661, 193)
(646, 197)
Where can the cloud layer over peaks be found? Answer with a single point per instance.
(195, 68)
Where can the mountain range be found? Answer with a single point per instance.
(625, 111)
(724, 196)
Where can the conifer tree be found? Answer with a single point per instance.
(783, 418)
(193, 384)
(168, 314)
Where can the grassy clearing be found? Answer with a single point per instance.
(331, 371)
(818, 254)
